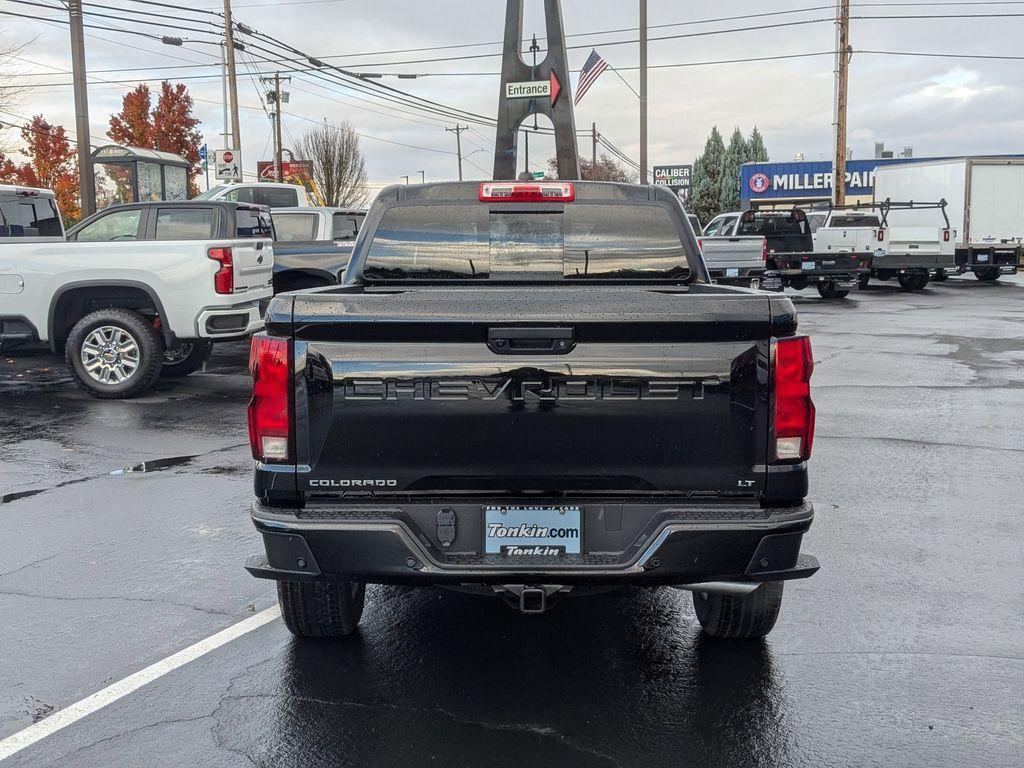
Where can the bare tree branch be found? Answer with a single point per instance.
(9, 93)
(339, 170)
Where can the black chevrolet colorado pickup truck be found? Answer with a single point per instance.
(530, 389)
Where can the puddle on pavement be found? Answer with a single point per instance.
(156, 465)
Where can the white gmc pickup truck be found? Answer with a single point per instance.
(138, 291)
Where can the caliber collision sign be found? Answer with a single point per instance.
(675, 177)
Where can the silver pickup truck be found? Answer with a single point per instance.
(733, 259)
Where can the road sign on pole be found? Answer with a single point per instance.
(228, 165)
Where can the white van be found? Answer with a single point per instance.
(271, 194)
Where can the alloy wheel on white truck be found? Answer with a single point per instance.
(114, 353)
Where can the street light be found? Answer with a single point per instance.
(406, 179)
(423, 177)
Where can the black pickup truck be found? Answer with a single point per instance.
(531, 389)
(791, 261)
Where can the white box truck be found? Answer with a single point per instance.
(984, 201)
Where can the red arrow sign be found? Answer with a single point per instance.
(556, 88)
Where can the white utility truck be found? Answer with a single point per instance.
(984, 202)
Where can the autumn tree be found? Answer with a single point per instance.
(133, 125)
(170, 126)
(339, 170)
(607, 169)
(51, 165)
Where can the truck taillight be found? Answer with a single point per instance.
(881, 235)
(792, 364)
(223, 278)
(269, 417)
(515, 192)
(700, 244)
(945, 235)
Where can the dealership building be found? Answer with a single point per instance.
(783, 185)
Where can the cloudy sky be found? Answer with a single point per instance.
(937, 105)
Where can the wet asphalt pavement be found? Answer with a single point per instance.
(124, 525)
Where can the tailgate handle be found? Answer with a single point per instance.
(537, 341)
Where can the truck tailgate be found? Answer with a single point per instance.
(253, 264)
(725, 252)
(489, 391)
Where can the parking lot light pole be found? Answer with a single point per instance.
(86, 181)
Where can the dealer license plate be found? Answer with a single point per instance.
(808, 265)
(532, 531)
(732, 272)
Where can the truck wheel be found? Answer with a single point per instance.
(941, 276)
(863, 280)
(321, 608)
(884, 274)
(798, 283)
(114, 353)
(909, 283)
(188, 357)
(829, 291)
(987, 274)
(733, 617)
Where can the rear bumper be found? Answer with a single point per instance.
(231, 322)
(684, 543)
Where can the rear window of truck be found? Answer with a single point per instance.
(772, 224)
(576, 241)
(22, 216)
(295, 227)
(254, 223)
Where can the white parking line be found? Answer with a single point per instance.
(75, 712)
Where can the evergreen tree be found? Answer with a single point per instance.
(705, 188)
(735, 156)
(758, 152)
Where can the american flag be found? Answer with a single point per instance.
(592, 69)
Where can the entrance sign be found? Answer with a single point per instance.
(534, 89)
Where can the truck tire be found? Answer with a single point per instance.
(114, 353)
(941, 276)
(829, 291)
(910, 283)
(188, 357)
(987, 274)
(739, 618)
(321, 608)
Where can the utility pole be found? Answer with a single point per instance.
(278, 98)
(457, 130)
(842, 65)
(526, 138)
(643, 91)
(224, 92)
(277, 127)
(229, 39)
(86, 182)
(593, 151)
